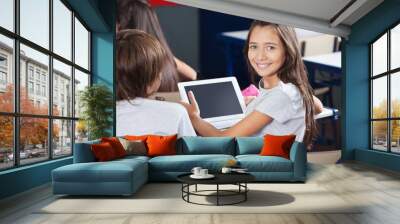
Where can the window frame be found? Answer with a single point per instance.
(16, 115)
(388, 74)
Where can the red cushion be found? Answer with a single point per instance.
(103, 152)
(116, 145)
(277, 145)
(161, 145)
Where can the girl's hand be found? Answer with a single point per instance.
(318, 107)
(185, 71)
(248, 99)
(192, 108)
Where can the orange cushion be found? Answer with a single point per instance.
(116, 145)
(103, 151)
(277, 145)
(161, 145)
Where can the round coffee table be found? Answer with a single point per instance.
(238, 179)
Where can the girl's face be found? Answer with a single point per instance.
(266, 52)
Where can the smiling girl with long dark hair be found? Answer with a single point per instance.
(286, 104)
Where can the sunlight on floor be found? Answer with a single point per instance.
(324, 157)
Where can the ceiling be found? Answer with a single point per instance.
(325, 16)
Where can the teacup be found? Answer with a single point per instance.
(226, 170)
(196, 171)
(203, 172)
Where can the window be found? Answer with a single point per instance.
(34, 22)
(30, 87)
(40, 89)
(37, 74)
(6, 89)
(3, 78)
(81, 45)
(43, 90)
(81, 81)
(7, 14)
(62, 97)
(62, 75)
(7, 143)
(62, 29)
(3, 72)
(385, 96)
(30, 72)
(62, 130)
(3, 61)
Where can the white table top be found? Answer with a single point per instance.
(333, 59)
(326, 112)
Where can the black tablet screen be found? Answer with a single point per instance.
(216, 99)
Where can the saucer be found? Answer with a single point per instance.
(208, 176)
(240, 171)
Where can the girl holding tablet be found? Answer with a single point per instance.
(286, 104)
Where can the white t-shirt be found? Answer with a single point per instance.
(284, 104)
(143, 116)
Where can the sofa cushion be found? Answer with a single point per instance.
(83, 153)
(257, 163)
(206, 145)
(103, 152)
(112, 171)
(161, 145)
(277, 145)
(136, 137)
(249, 145)
(135, 147)
(132, 158)
(116, 145)
(185, 163)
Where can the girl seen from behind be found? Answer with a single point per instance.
(140, 62)
(138, 14)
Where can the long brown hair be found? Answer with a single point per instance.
(138, 14)
(292, 71)
(140, 60)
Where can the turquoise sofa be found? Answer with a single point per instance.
(125, 176)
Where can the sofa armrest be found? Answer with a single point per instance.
(298, 155)
(83, 152)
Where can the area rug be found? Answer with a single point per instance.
(167, 198)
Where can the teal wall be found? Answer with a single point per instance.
(90, 12)
(103, 64)
(103, 51)
(380, 159)
(102, 58)
(355, 112)
(356, 99)
(99, 16)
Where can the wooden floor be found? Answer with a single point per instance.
(378, 188)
